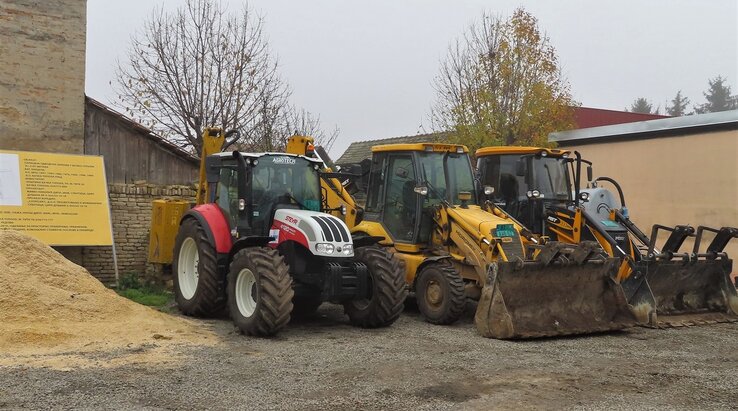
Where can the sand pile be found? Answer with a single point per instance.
(53, 312)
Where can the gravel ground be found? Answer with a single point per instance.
(323, 363)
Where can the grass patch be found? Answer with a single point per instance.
(153, 296)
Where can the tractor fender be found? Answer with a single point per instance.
(214, 222)
(245, 242)
(361, 239)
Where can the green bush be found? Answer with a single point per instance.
(131, 287)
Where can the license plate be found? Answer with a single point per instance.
(505, 230)
(609, 223)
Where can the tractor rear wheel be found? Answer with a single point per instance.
(259, 291)
(439, 291)
(387, 289)
(198, 287)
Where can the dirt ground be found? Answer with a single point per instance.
(323, 363)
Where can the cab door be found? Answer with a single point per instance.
(391, 198)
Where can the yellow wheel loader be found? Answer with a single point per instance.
(422, 204)
(664, 285)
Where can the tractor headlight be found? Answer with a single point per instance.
(343, 209)
(348, 249)
(325, 248)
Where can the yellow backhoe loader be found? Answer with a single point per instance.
(541, 188)
(422, 203)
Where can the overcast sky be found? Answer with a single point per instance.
(367, 66)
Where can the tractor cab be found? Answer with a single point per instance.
(526, 181)
(407, 181)
(250, 188)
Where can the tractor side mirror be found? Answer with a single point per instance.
(422, 190)
(589, 173)
(401, 172)
(520, 168)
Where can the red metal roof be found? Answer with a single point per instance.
(587, 117)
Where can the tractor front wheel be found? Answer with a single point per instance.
(259, 291)
(198, 287)
(387, 289)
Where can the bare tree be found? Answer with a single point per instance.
(302, 122)
(500, 83)
(278, 126)
(202, 66)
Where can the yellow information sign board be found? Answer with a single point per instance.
(60, 199)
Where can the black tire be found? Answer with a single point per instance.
(271, 293)
(388, 290)
(439, 291)
(305, 306)
(209, 292)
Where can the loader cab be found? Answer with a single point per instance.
(249, 188)
(526, 181)
(406, 182)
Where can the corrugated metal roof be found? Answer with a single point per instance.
(361, 150)
(651, 128)
(586, 117)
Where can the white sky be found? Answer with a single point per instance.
(367, 66)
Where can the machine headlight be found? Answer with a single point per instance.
(348, 249)
(534, 194)
(343, 209)
(325, 248)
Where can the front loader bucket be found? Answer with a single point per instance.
(692, 293)
(533, 299)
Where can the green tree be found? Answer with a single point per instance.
(643, 106)
(678, 105)
(718, 97)
(501, 84)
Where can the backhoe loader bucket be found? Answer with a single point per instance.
(691, 288)
(563, 292)
(692, 293)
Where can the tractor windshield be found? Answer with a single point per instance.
(279, 177)
(448, 175)
(548, 175)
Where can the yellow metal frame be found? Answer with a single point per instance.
(431, 147)
(212, 142)
(500, 150)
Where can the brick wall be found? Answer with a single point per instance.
(42, 75)
(131, 214)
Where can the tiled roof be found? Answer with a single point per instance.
(360, 150)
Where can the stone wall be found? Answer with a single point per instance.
(131, 214)
(42, 75)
